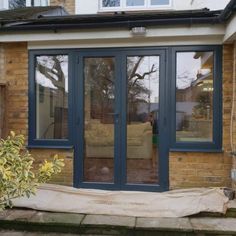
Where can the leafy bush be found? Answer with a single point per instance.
(16, 176)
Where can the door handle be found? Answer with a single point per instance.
(116, 116)
(113, 114)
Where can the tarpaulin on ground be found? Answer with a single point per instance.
(176, 203)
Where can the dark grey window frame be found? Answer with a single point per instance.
(170, 116)
(216, 144)
(33, 142)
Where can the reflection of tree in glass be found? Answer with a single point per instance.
(99, 84)
(51, 75)
(51, 68)
(111, 3)
(17, 4)
(202, 109)
(137, 90)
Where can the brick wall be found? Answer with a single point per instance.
(16, 68)
(2, 70)
(2, 93)
(186, 169)
(208, 169)
(66, 176)
(234, 114)
(16, 75)
(69, 5)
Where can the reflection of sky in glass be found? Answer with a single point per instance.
(48, 62)
(135, 2)
(160, 2)
(187, 69)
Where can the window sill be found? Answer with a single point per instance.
(196, 150)
(50, 147)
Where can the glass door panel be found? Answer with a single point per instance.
(99, 115)
(142, 119)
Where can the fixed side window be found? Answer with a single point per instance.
(197, 100)
(49, 99)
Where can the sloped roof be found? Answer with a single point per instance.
(31, 13)
(34, 19)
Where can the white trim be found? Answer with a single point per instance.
(124, 7)
(183, 41)
(5, 4)
(28, 3)
(76, 6)
(230, 33)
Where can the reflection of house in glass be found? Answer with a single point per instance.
(194, 102)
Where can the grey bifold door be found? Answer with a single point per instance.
(121, 106)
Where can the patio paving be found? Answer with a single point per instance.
(22, 222)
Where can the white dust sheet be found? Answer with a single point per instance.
(177, 203)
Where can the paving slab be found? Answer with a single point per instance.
(69, 224)
(232, 205)
(214, 225)
(57, 218)
(18, 233)
(180, 224)
(4, 214)
(20, 215)
(11, 233)
(124, 221)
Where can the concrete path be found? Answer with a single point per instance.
(42, 223)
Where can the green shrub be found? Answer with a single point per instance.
(17, 178)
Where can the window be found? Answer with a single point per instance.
(13, 4)
(119, 5)
(194, 96)
(49, 99)
(51, 80)
(134, 2)
(17, 4)
(197, 118)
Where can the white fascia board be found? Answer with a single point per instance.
(138, 42)
(230, 31)
(111, 34)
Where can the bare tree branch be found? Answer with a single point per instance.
(132, 74)
(141, 77)
(47, 73)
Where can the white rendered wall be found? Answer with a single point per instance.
(87, 6)
(92, 6)
(211, 4)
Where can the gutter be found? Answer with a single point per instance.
(118, 24)
(228, 11)
(126, 23)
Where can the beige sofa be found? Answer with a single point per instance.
(99, 139)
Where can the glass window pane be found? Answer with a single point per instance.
(16, 4)
(142, 119)
(51, 78)
(135, 2)
(110, 3)
(160, 2)
(40, 2)
(194, 96)
(99, 115)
